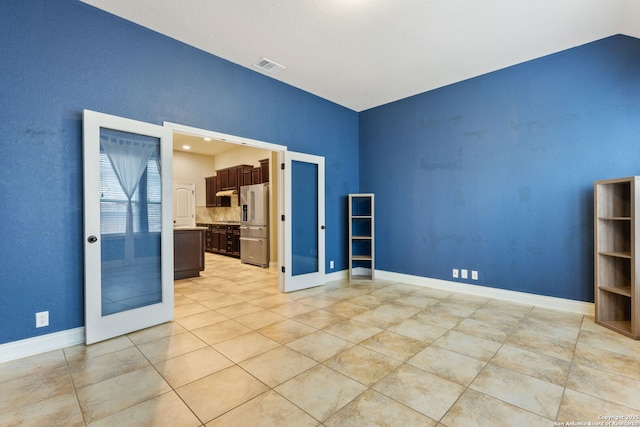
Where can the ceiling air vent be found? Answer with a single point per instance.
(269, 66)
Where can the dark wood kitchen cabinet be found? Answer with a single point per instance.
(217, 239)
(240, 170)
(246, 177)
(240, 177)
(264, 170)
(236, 241)
(256, 176)
(223, 177)
(232, 234)
(233, 178)
(210, 191)
(212, 186)
(223, 239)
(207, 237)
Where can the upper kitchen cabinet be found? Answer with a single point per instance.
(264, 170)
(231, 178)
(223, 178)
(246, 177)
(212, 186)
(210, 191)
(240, 170)
(256, 175)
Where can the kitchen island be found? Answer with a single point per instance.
(188, 251)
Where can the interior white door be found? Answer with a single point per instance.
(128, 233)
(184, 204)
(303, 227)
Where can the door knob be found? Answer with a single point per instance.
(92, 239)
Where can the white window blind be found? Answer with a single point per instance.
(113, 201)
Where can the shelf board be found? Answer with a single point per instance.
(362, 237)
(361, 277)
(616, 254)
(615, 218)
(361, 257)
(621, 326)
(624, 291)
(361, 216)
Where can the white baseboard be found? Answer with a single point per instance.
(573, 306)
(336, 275)
(62, 339)
(41, 344)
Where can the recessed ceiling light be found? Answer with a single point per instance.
(207, 139)
(186, 147)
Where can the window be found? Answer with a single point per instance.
(145, 203)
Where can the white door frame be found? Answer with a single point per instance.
(238, 140)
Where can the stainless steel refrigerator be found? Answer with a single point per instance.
(254, 224)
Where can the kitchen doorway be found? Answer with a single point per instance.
(281, 240)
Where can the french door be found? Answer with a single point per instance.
(128, 233)
(303, 225)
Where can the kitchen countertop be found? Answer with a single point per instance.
(222, 222)
(183, 228)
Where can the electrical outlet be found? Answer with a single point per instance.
(331, 264)
(464, 273)
(455, 273)
(42, 319)
(474, 275)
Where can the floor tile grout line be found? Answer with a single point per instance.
(571, 366)
(572, 363)
(75, 389)
(403, 362)
(493, 357)
(173, 389)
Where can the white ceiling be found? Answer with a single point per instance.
(365, 53)
(199, 145)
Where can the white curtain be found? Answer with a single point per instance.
(158, 159)
(128, 156)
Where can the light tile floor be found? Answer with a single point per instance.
(240, 353)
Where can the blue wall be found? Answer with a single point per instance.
(60, 57)
(496, 173)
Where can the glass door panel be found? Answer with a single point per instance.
(304, 218)
(129, 226)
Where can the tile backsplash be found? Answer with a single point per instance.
(206, 215)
